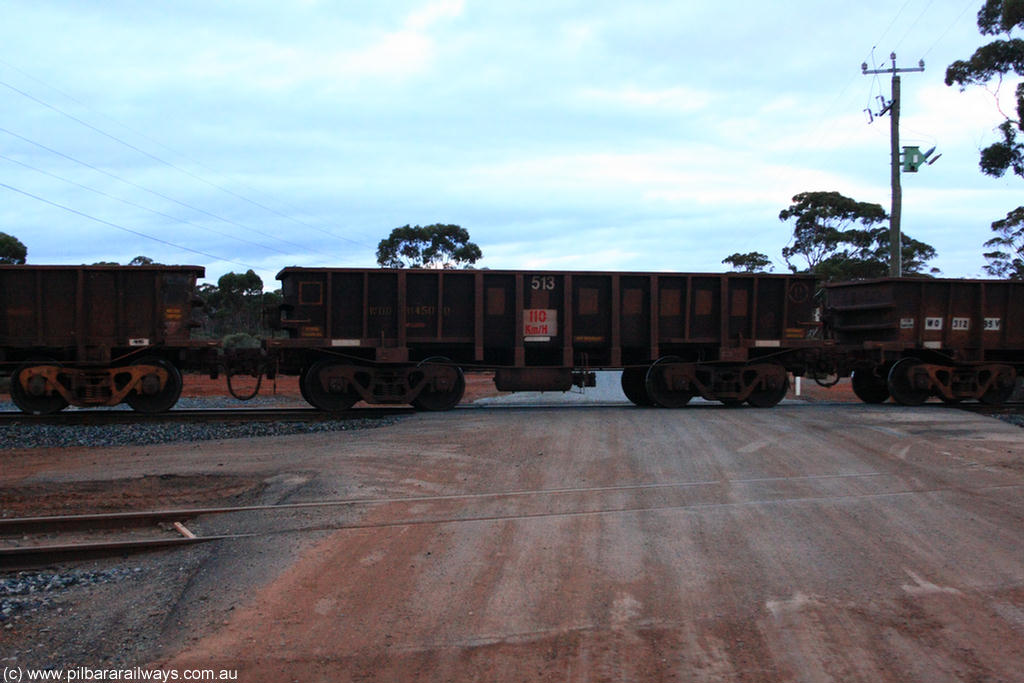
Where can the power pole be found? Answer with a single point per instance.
(895, 244)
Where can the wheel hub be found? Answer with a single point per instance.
(36, 385)
(150, 384)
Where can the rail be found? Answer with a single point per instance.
(93, 417)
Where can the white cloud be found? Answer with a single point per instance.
(360, 53)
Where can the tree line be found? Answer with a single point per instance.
(838, 238)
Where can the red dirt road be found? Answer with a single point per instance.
(804, 543)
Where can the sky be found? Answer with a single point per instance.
(646, 136)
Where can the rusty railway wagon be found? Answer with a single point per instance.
(407, 336)
(97, 335)
(916, 338)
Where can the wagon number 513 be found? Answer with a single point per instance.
(545, 282)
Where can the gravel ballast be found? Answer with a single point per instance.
(27, 592)
(21, 436)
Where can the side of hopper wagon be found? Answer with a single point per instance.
(913, 338)
(404, 335)
(96, 335)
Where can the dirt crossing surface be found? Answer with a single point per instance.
(805, 543)
(810, 542)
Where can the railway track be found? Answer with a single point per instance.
(32, 542)
(241, 415)
(231, 415)
(105, 417)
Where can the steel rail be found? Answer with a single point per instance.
(36, 524)
(89, 417)
(28, 557)
(18, 557)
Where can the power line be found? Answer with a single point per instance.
(138, 206)
(887, 29)
(914, 24)
(146, 189)
(171, 164)
(121, 227)
(949, 28)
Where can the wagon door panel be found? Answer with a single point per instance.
(706, 309)
(459, 306)
(382, 308)
(23, 319)
(672, 293)
(635, 303)
(421, 306)
(740, 308)
(544, 321)
(347, 300)
(499, 323)
(592, 317)
(311, 305)
(770, 308)
(139, 308)
(99, 309)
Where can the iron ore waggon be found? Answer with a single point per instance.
(102, 335)
(922, 337)
(97, 335)
(407, 336)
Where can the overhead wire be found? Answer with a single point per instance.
(123, 228)
(888, 28)
(914, 24)
(871, 55)
(136, 205)
(970, 3)
(870, 59)
(146, 189)
(169, 164)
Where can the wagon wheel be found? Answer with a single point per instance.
(332, 398)
(150, 398)
(1001, 389)
(634, 386)
(436, 400)
(869, 385)
(35, 401)
(902, 384)
(776, 384)
(302, 385)
(658, 391)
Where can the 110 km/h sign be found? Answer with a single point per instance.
(539, 324)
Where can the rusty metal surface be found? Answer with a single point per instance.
(91, 313)
(928, 313)
(543, 318)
